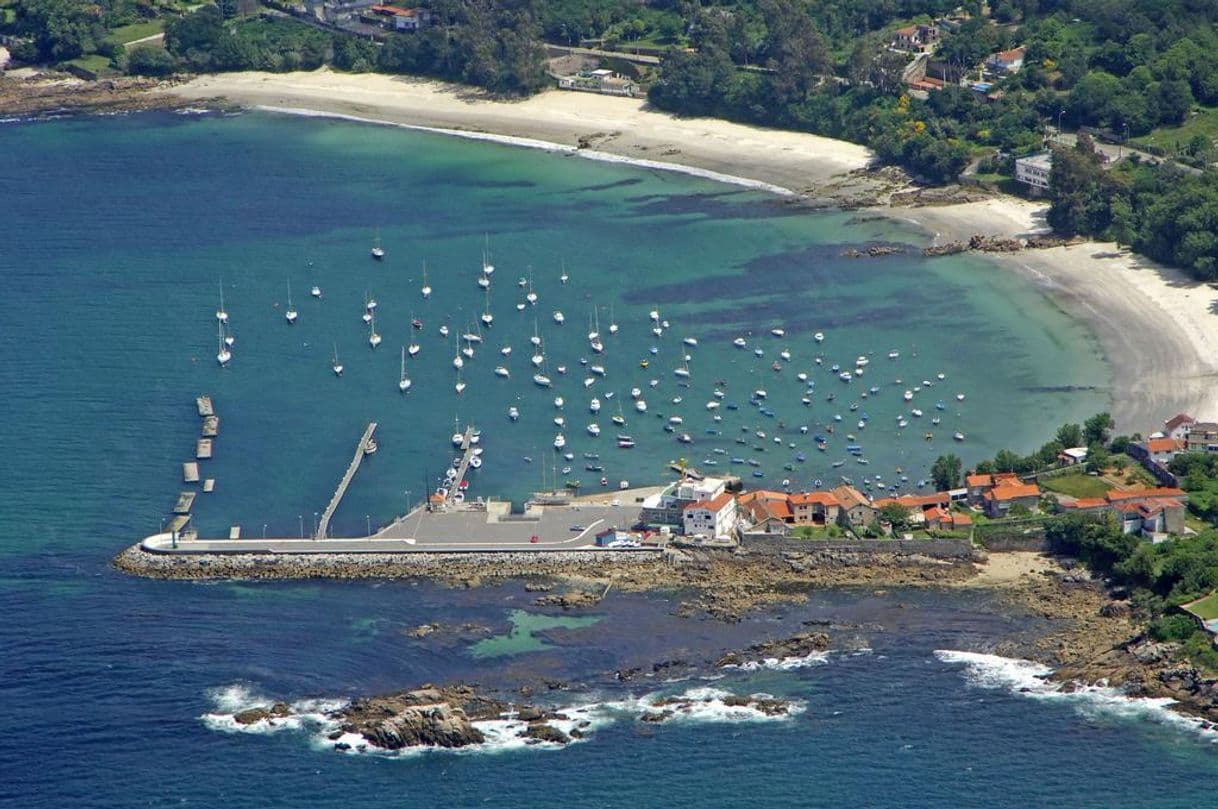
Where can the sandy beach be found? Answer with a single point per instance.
(610, 126)
(1158, 329)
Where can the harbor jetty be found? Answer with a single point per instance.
(364, 448)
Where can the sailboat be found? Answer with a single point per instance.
(619, 419)
(612, 322)
(290, 314)
(536, 338)
(564, 277)
(221, 314)
(531, 297)
(336, 366)
(487, 317)
(374, 339)
(487, 267)
(223, 355)
(229, 338)
(460, 386)
(378, 252)
(404, 383)
(426, 290)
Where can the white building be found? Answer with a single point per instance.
(1034, 171)
(711, 518)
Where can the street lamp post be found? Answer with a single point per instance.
(368, 519)
(300, 517)
(314, 523)
(1060, 113)
(408, 501)
(264, 530)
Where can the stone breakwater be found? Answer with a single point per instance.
(135, 560)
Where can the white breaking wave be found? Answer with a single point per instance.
(782, 663)
(702, 704)
(1029, 679)
(548, 146)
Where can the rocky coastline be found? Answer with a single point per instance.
(37, 94)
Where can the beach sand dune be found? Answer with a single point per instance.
(1158, 329)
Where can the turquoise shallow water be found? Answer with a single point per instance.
(114, 236)
(114, 256)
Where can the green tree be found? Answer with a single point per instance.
(895, 515)
(945, 472)
(144, 60)
(1097, 429)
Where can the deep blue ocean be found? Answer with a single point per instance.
(115, 238)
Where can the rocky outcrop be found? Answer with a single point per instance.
(874, 251)
(440, 717)
(572, 599)
(252, 716)
(800, 645)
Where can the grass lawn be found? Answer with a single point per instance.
(95, 62)
(1077, 485)
(1172, 138)
(1206, 608)
(139, 30)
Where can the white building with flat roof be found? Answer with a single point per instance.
(1033, 171)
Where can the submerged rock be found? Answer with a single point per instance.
(251, 716)
(801, 645)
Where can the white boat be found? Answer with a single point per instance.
(916, 412)
(315, 291)
(740, 342)
(536, 338)
(958, 436)
(594, 429)
(597, 346)
(654, 314)
(682, 372)
(221, 313)
(468, 351)
(513, 413)
(335, 365)
(612, 323)
(845, 376)
(861, 361)
(712, 405)
(444, 330)
(503, 372)
(458, 439)
(487, 318)
(426, 289)
(675, 420)
(635, 393)
(559, 441)
(413, 350)
(475, 462)
(690, 341)
(458, 363)
(520, 307)
(778, 332)
(892, 355)
(290, 314)
(229, 338)
(537, 359)
(657, 331)
(531, 297)
(559, 421)
(641, 405)
(223, 355)
(487, 267)
(460, 384)
(959, 397)
(484, 282)
(378, 252)
(819, 337)
(599, 370)
(559, 317)
(506, 351)
(541, 380)
(594, 405)
(374, 339)
(759, 394)
(404, 382)
(908, 395)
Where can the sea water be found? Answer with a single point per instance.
(115, 238)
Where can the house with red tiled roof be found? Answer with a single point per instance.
(1009, 61)
(999, 500)
(855, 509)
(938, 518)
(1150, 512)
(978, 485)
(1178, 425)
(815, 508)
(398, 18)
(712, 518)
(915, 38)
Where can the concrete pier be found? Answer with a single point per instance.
(360, 451)
(190, 472)
(467, 450)
(203, 449)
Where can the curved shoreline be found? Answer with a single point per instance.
(1153, 326)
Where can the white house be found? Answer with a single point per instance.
(1007, 61)
(1034, 171)
(1178, 426)
(712, 518)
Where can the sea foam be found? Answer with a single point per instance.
(1029, 679)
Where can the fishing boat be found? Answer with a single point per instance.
(221, 313)
(819, 337)
(908, 395)
(426, 288)
(315, 291)
(740, 342)
(599, 370)
(778, 332)
(625, 442)
(559, 317)
(959, 397)
(413, 349)
(223, 355)
(595, 405)
(291, 314)
(641, 405)
(692, 342)
(378, 252)
(654, 314)
(374, 339)
(404, 382)
(892, 355)
(594, 429)
(958, 436)
(513, 413)
(335, 365)
(560, 441)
